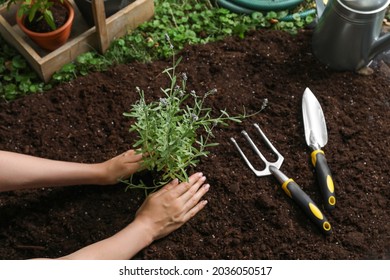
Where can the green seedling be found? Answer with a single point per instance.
(176, 130)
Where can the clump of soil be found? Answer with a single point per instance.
(247, 217)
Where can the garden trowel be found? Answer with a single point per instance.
(316, 136)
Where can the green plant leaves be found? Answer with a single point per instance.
(185, 21)
(175, 130)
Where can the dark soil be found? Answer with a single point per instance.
(247, 217)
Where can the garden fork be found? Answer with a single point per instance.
(291, 188)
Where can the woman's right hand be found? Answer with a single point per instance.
(173, 205)
(161, 213)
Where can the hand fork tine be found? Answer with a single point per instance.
(291, 188)
(266, 171)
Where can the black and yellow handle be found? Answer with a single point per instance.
(325, 179)
(293, 190)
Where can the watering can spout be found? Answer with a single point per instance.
(382, 44)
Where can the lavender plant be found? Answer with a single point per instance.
(176, 130)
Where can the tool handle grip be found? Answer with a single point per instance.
(325, 179)
(293, 190)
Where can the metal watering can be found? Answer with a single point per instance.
(348, 33)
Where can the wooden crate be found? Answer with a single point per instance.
(82, 38)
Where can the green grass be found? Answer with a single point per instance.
(185, 21)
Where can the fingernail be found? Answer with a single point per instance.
(206, 187)
(204, 202)
(200, 174)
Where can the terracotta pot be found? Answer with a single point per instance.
(54, 39)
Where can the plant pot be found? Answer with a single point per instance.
(54, 39)
(110, 7)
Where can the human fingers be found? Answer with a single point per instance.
(194, 210)
(185, 186)
(193, 188)
(121, 167)
(195, 197)
(131, 156)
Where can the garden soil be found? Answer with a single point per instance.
(247, 217)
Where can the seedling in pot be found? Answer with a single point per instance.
(36, 10)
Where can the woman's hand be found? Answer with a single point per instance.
(120, 167)
(173, 205)
(162, 212)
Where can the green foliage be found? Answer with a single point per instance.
(84, 64)
(32, 8)
(185, 21)
(170, 129)
(190, 22)
(16, 78)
